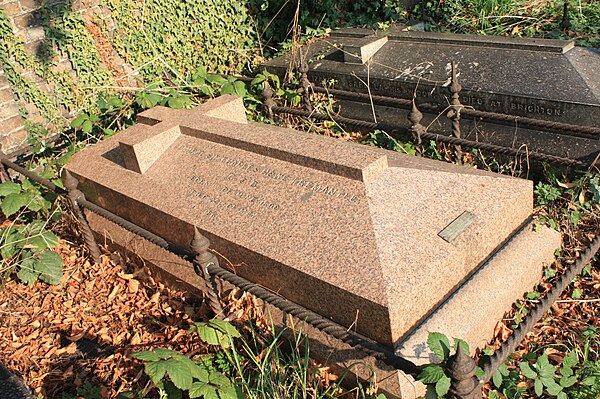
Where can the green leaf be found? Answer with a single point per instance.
(9, 188)
(86, 126)
(218, 79)
(464, 344)
(430, 374)
(12, 203)
(493, 395)
(200, 75)
(203, 389)
(479, 373)
(442, 386)
(179, 372)
(36, 202)
(154, 98)
(228, 88)
(577, 293)
(165, 353)
(108, 132)
(497, 379)
(146, 356)
(439, 344)
(240, 88)
(49, 265)
(533, 295)
(27, 273)
(216, 332)
(11, 240)
(570, 359)
(258, 79)
(566, 371)
(487, 351)
(544, 368)
(78, 120)
(562, 395)
(546, 371)
(538, 387)
(49, 238)
(567, 382)
(35, 243)
(553, 388)
(199, 372)
(595, 188)
(527, 371)
(234, 392)
(115, 101)
(156, 370)
(196, 389)
(178, 102)
(219, 379)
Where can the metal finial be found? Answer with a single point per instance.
(423, 11)
(75, 195)
(203, 260)
(461, 368)
(455, 107)
(455, 86)
(305, 85)
(268, 102)
(4, 177)
(69, 180)
(566, 22)
(415, 117)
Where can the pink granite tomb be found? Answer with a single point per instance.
(389, 245)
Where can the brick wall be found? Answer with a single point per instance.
(25, 18)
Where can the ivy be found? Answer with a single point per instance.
(12, 54)
(177, 37)
(65, 30)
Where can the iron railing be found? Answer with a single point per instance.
(460, 366)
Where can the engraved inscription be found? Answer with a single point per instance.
(535, 109)
(237, 191)
(438, 95)
(316, 187)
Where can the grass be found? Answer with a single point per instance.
(537, 18)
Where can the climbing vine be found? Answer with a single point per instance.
(66, 32)
(176, 37)
(66, 36)
(14, 61)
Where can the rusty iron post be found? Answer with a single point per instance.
(305, 85)
(416, 129)
(565, 24)
(268, 101)
(455, 108)
(4, 177)
(464, 384)
(203, 260)
(74, 195)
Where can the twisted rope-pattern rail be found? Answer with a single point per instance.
(33, 176)
(437, 137)
(509, 346)
(337, 331)
(590, 132)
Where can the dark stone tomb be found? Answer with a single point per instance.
(541, 79)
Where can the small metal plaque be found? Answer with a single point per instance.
(457, 226)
